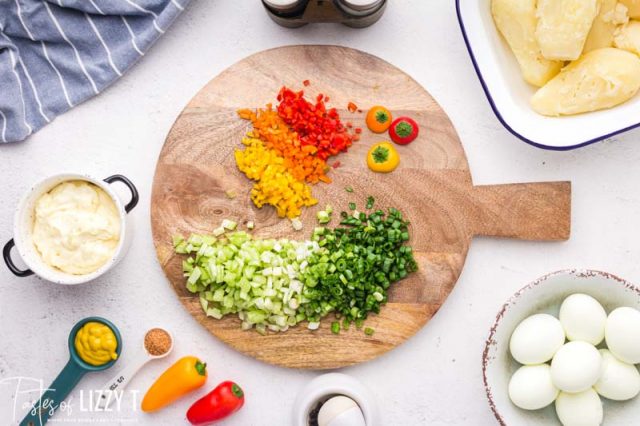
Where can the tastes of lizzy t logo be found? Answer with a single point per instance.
(32, 397)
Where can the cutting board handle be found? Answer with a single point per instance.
(526, 211)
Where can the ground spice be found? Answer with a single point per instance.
(157, 341)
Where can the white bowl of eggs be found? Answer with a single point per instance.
(564, 350)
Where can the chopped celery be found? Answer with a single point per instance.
(297, 224)
(229, 224)
(324, 216)
(258, 280)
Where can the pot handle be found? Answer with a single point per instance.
(134, 192)
(6, 254)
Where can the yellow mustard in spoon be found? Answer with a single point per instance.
(96, 343)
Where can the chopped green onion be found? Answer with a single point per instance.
(370, 202)
(352, 206)
(324, 216)
(369, 331)
(348, 189)
(335, 327)
(356, 265)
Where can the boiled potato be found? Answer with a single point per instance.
(516, 20)
(600, 79)
(633, 6)
(628, 37)
(604, 26)
(563, 26)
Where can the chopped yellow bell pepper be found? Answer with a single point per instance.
(275, 185)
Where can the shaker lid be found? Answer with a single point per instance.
(361, 4)
(282, 4)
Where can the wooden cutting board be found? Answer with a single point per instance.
(432, 186)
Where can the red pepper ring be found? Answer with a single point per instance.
(220, 403)
(403, 130)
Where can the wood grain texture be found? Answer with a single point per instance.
(432, 186)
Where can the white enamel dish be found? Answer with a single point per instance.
(509, 94)
(23, 227)
(545, 296)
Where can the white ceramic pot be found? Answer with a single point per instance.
(545, 295)
(329, 385)
(23, 228)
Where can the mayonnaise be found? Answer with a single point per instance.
(76, 227)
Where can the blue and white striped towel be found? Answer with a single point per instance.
(55, 54)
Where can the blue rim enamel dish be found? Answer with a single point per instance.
(508, 94)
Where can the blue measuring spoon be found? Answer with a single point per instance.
(69, 377)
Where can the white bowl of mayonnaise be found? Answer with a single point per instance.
(71, 228)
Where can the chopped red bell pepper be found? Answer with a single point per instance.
(315, 124)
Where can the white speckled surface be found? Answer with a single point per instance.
(433, 379)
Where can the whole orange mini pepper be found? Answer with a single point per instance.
(186, 375)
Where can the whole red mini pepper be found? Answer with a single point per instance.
(224, 400)
(403, 130)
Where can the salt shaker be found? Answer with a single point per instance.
(345, 400)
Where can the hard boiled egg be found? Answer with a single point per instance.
(579, 409)
(583, 318)
(576, 367)
(622, 332)
(340, 411)
(619, 381)
(536, 339)
(531, 388)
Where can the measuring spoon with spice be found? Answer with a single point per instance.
(157, 343)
